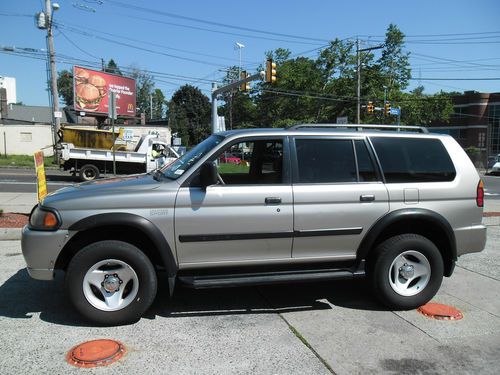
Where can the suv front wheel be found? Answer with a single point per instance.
(406, 271)
(111, 282)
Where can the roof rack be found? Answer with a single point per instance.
(360, 127)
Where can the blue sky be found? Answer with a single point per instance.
(184, 47)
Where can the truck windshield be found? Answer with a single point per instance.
(176, 169)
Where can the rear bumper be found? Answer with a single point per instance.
(470, 239)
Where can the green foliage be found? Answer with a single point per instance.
(189, 114)
(144, 84)
(420, 109)
(65, 86)
(111, 67)
(159, 104)
(394, 62)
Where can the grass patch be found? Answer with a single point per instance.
(233, 168)
(23, 161)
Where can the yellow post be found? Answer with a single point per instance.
(41, 182)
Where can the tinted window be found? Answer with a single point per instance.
(365, 164)
(413, 159)
(325, 160)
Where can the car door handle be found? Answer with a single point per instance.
(367, 198)
(273, 200)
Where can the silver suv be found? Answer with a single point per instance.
(307, 203)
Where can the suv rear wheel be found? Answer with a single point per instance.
(406, 271)
(111, 282)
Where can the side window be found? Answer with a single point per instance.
(366, 167)
(252, 162)
(413, 159)
(325, 160)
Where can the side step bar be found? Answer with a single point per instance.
(265, 278)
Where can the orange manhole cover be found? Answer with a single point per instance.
(96, 353)
(440, 312)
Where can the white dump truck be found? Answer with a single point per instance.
(149, 154)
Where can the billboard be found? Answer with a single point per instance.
(91, 88)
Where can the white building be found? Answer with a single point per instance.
(9, 84)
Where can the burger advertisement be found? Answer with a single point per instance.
(91, 88)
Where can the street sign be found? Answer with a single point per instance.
(342, 120)
(395, 111)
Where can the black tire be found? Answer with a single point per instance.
(89, 172)
(381, 274)
(114, 251)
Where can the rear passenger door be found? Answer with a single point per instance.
(338, 195)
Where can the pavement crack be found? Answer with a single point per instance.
(296, 333)
(417, 327)
(479, 273)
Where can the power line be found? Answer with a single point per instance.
(456, 79)
(76, 45)
(214, 23)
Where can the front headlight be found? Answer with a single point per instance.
(42, 218)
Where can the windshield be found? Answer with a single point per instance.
(186, 161)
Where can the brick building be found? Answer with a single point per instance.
(475, 122)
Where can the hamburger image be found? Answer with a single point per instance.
(98, 82)
(88, 97)
(81, 76)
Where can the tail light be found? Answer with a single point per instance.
(480, 194)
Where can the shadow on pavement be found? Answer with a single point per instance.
(22, 297)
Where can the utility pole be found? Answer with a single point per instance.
(150, 106)
(215, 118)
(53, 75)
(358, 88)
(358, 65)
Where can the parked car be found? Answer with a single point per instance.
(316, 203)
(494, 164)
(229, 158)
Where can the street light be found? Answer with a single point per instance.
(239, 46)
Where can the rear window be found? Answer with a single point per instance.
(413, 159)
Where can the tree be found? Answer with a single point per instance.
(189, 114)
(111, 67)
(65, 86)
(158, 104)
(144, 86)
(420, 109)
(394, 62)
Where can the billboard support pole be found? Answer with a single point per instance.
(112, 115)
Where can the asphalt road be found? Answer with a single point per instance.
(318, 328)
(24, 181)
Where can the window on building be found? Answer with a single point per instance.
(25, 136)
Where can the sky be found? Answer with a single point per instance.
(193, 41)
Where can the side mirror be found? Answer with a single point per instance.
(208, 174)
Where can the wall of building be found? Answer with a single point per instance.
(25, 139)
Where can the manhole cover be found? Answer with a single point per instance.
(440, 312)
(96, 353)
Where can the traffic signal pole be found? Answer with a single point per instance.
(234, 85)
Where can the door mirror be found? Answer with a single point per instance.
(208, 174)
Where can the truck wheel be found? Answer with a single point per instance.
(89, 172)
(111, 282)
(405, 271)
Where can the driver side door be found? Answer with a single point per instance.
(246, 218)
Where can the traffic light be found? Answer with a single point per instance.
(387, 108)
(245, 86)
(370, 108)
(270, 71)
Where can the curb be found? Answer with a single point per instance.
(10, 234)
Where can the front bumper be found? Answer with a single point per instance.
(40, 251)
